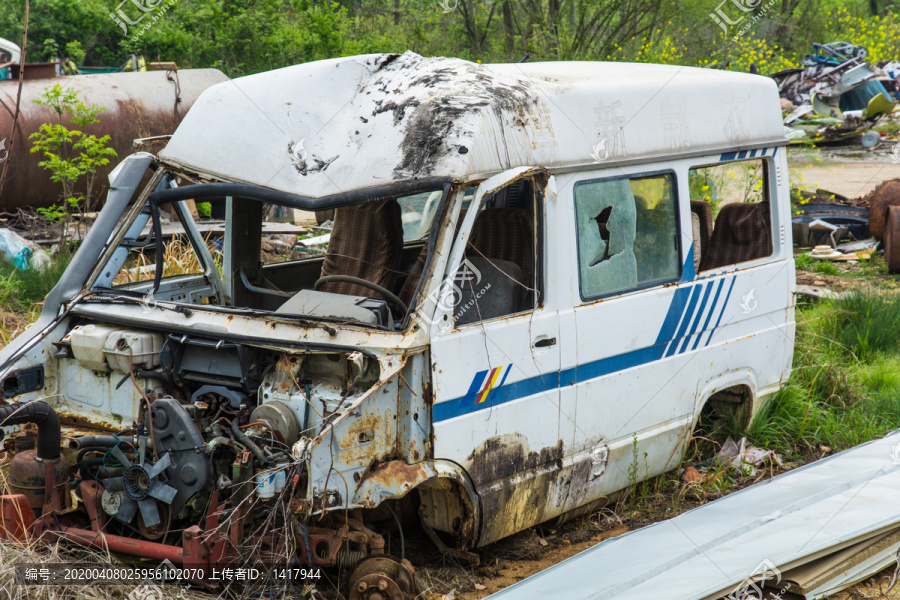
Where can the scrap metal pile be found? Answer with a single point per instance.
(836, 95)
(838, 228)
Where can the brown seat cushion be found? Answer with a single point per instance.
(505, 234)
(366, 242)
(415, 273)
(743, 232)
(704, 211)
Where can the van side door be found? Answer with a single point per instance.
(495, 352)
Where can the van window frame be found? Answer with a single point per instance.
(770, 193)
(538, 200)
(679, 250)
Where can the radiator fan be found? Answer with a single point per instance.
(139, 488)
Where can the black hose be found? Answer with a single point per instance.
(84, 450)
(82, 467)
(400, 529)
(41, 414)
(161, 377)
(93, 441)
(240, 437)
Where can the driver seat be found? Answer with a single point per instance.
(366, 242)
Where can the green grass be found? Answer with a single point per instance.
(19, 290)
(808, 263)
(871, 268)
(843, 389)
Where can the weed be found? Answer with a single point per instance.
(805, 262)
(826, 267)
(21, 289)
(842, 391)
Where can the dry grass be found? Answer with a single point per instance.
(13, 554)
(179, 258)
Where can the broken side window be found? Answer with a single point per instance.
(732, 213)
(501, 274)
(627, 233)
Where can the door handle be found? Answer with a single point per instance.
(545, 342)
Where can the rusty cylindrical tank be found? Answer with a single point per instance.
(28, 476)
(138, 105)
(886, 194)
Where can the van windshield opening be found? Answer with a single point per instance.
(360, 263)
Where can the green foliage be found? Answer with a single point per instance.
(846, 372)
(70, 154)
(54, 213)
(19, 290)
(248, 36)
(75, 52)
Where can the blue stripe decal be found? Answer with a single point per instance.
(676, 309)
(712, 311)
(695, 295)
(724, 304)
(727, 156)
(681, 312)
(688, 273)
(697, 317)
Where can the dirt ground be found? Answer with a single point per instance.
(849, 173)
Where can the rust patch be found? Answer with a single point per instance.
(503, 456)
(394, 474)
(82, 422)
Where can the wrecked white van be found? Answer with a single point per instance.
(536, 273)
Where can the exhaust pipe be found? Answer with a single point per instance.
(43, 415)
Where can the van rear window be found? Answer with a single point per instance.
(627, 233)
(731, 213)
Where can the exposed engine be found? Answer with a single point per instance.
(212, 468)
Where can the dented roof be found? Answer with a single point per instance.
(337, 125)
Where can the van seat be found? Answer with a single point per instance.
(743, 232)
(704, 216)
(415, 273)
(366, 242)
(506, 234)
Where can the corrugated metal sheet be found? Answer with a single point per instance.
(710, 551)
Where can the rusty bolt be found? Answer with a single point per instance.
(382, 585)
(362, 587)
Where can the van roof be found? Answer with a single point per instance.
(333, 126)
